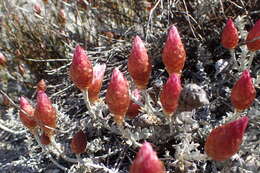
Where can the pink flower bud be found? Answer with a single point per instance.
(27, 120)
(96, 84)
(139, 65)
(229, 37)
(134, 109)
(81, 71)
(41, 85)
(37, 9)
(45, 113)
(224, 141)
(174, 55)
(170, 94)
(252, 35)
(117, 96)
(147, 161)
(243, 92)
(2, 59)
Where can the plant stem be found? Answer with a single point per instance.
(148, 107)
(128, 135)
(251, 57)
(47, 152)
(233, 61)
(88, 105)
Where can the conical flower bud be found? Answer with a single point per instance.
(224, 141)
(229, 37)
(139, 65)
(79, 142)
(252, 35)
(243, 92)
(96, 84)
(45, 113)
(41, 85)
(174, 55)
(134, 109)
(45, 140)
(117, 96)
(170, 94)
(30, 123)
(147, 161)
(81, 71)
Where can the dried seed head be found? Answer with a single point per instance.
(147, 161)
(229, 37)
(243, 92)
(139, 65)
(27, 120)
(170, 94)
(79, 142)
(117, 96)
(2, 60)
(81, 70)
(134, 109)
(96, 84)
(253, 43)
(224, 141)
(41, 85)
(45, 140)
(45, 113)
(174, 55)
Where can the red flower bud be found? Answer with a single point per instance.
(170, 94)
(243, 92)
(117, 96)
(45, 140)
(134, 109)
(229, 37)
(27, 121)
(79, 142)
(2, 59)
(95, 86)
(139, 65)
(252, 35)
(174, 55)
(147, 161)
(224, 141)
(45, 113)
(81, 71)
(41, 85)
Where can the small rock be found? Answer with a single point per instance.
(192, 97)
